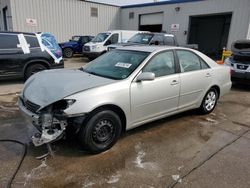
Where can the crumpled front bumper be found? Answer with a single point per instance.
(33, 118)
(50, 129)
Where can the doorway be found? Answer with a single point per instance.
(210, 33)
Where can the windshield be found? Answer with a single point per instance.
(101, 37)
(116, 64)
(75, 39)
(141, 38)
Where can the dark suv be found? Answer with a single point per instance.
(23, 54)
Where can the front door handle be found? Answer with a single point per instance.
(174, 82)
(208, 75)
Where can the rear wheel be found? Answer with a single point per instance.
(32, 69)
(101, 131)
(209, 102)
(68, 52)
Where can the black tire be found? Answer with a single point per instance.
(209, 101)
(32, 69)
(68, 52)
(101, 131)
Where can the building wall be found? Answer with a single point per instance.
(3, 4)
(239, 23)
(63, 18)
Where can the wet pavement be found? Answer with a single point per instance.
(186, 150)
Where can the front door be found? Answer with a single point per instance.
(150, 99)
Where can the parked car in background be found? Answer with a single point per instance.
(121, 90)
(24, 54)
(147, 38)
(240, 61)
(75, 45)
(98, 45)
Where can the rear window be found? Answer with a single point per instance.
(32, 41)
(50, 42)
(8, 41)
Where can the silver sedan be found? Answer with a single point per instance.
(121, 90)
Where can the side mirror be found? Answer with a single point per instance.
(146, 76)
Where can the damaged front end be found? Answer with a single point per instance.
(51, 121)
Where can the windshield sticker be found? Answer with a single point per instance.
(123, 65)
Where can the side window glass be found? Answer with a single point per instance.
(204, 65)
(188, 61)
(157, 40)
(169, 40)
(162, 64)
(85, 40)
(8, 41)
(32, 41)
(114, 38)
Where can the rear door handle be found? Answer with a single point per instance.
(174, 82)
(208, 75)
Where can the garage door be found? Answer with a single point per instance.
(151, 22)
(210, 33)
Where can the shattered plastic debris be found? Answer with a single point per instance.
(177, 178)
(212, 120)
(180, 167)
(114, 179)
(139, 160)
(88, 183)
(36, 172)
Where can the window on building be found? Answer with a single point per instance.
(131, 15)
(162, 64)
(94, 12)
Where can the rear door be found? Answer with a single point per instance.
(195, 77)
(151, 99)
(10, 55)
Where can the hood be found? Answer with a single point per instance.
(124, 44)
(47, 87)
(93, 43)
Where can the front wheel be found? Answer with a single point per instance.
(68, 52)
(101, 131)
(32, 69)
(209, 102)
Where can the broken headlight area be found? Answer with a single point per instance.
(52, 123)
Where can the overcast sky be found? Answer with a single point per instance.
(124, 2)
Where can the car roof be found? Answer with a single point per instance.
(150, 48)
(12, 32)
(154, 33)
